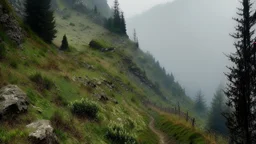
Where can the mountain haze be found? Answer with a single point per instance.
(68, 77)
(189, 38)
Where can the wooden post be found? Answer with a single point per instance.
(193, 122)
(179, 108)
(187, 116)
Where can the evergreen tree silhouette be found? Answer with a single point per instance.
(64, 45)
(40, 18)
(241, 89)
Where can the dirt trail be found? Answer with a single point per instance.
(163, 139)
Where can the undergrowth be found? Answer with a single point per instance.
(41, 81)
(117, 134)
(85, 108)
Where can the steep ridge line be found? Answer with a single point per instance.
(163, 138)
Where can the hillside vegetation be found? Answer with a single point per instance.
(89, 96)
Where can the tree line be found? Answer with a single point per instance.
(117, 22)
(240, 113)
(40, 18)
(215, 120)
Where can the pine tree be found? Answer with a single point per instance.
(41, 19)
(123, 24)
(116, 17)
(116, 23)
(135, 38)
(216, 120)
(64, 45)
(95, 9)
(200, 105)
(241, 89)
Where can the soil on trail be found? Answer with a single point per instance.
(163, 138)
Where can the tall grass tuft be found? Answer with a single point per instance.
(85, 108)
(117, 134)
(41, 82)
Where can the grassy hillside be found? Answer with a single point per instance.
(81, 30)
(55, 81)
(63, 69)
(182, 131)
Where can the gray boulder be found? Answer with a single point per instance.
(42, 133)
(12, 101)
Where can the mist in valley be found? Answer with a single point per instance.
(190, 39)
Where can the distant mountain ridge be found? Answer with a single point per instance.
(189, 38)
(102, 5)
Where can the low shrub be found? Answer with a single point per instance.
(2, 51)
(117, 134)
(51, 65)
(85, 108)
(96, 44)
(66, 16)
(72, 24)
(42, 82)
(2, 80)
(13, 64)
(62, 123)
(100, 45)
(60, 101)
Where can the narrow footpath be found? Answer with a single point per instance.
(163, 138)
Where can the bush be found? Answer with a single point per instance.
(85, 108)
(2, 51)
(117, 134)
(42, 82)
(2, 79)
(14, 64)
(72, 24)
(62, 123)
(100, 45)
(96, 45)
(66, 16)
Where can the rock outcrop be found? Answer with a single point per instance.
(18, 6)
(42, 133)
(100, 47)
(141, 75)
(12, 101)
(11, 26)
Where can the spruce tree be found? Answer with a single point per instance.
(41, 19)
(95, 10)
(216, 120)
(123, 24)
(64, 45)
(241, 89)
(116, 23)
(135, 38)
(116, 17)
(200, 105)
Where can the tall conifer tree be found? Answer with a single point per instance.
(116, 17)
(200, 105)
(123, 24)
(40, 18)
(241, 89)
(216, 120)
(64, 45)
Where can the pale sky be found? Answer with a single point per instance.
(134, 7)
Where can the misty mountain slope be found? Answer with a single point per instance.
(88, 95)
(189, 38)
